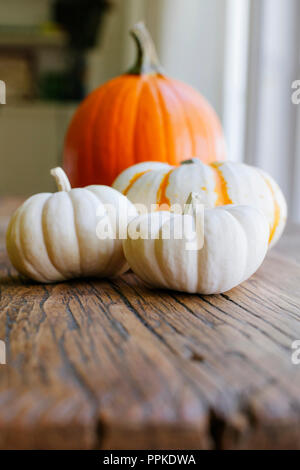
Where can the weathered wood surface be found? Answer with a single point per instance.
(111, 364)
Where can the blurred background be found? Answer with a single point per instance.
(243, 55)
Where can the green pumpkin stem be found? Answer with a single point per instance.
(147, 60)
(190, 161)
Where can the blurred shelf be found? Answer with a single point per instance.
(32, 37)
(38, 104)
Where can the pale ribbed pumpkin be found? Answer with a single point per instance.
(53, 237)
(235, 244)
(140, 116)
(218, 183)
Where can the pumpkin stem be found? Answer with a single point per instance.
(191, 160)
(192, 204)
(147, 60)
(195, 208)
(61, 179)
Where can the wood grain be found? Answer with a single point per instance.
(113, 365)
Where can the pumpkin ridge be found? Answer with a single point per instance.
(189, 96)
(88, 138)
(116, 143)
(239, 223)
(276, 221)
(161, 197)
(210, 150)
(90, 133)
(76, 229)
(96, 144)
(15, 228)
(20, 232)
(163, 113)
(43, 216)
(98, 200)
(133, 181)
(221, 188)
(135, 132)
(82, 142)
(186, 117)
(158, 248)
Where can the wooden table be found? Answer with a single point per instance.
(112, 365)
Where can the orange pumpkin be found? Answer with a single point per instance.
(140, 116)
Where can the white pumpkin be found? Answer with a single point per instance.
(235, 244)
(52, 237)
(218, 184)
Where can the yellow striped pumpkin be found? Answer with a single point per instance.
(219, 183)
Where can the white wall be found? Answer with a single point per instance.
(235, 79)
(24, 12)
(31, 139)
(272, 117)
